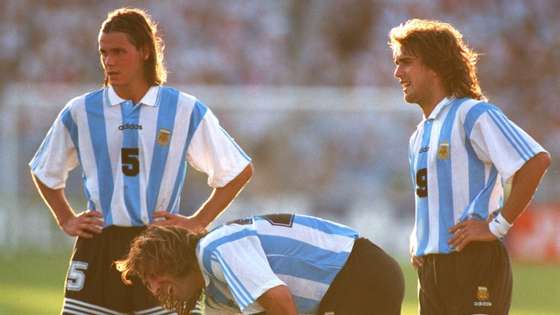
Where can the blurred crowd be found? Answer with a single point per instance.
(335, 158)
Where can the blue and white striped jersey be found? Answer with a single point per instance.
(459, 158)
(243, 259)
(134, 157)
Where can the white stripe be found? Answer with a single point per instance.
(146, 140)
(305, 288)
(95, 307)
(175, 155)
(87, 158)
(118, 205)
(158, 310)
(86, 310)
(148, 310)
(433, 191)
(235, 286)
(414, 147)
(460, 161)
(66, 311)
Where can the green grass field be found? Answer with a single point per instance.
(31, 284)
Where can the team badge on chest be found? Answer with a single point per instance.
(163, 137)
(443, 151)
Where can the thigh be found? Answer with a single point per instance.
(487, 279)
(371, 282)
(435, 286)
(94, 285)
(91, 285)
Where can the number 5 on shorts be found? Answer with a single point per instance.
(76, 276)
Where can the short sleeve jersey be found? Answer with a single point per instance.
(134, 158)
(459, 157)
(242, 260)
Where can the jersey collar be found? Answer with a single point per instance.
(149, 99)
(439, 107)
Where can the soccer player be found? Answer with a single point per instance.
(132, 138)
(462, 152)
(279, 264)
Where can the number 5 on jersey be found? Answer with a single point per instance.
(130, 162)
(422, 183)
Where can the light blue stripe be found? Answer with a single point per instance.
(98, 135)
(482, 202)
(325, 226)
(306, 306)
(131, 115)
(514, 143)
(475, 165)
(301, 259)
(472, 116)
(237, 289)
(445, 175)
(197, 115)
(422, 209)
(72, 128)
(168, 99)
(524, 146)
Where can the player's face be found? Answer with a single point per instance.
(415, 77)
(122, 61)
(173, 290)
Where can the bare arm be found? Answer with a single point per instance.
(83, 224)
(525, 183)
(219, 199)
(278, 301)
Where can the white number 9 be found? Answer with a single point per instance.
(76, 277)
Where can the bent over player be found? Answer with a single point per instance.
(460, 155)
(280, 264)
(132, 139)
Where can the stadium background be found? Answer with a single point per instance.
(306, 88)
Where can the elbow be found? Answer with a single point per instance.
(250, 171)
(544, 160)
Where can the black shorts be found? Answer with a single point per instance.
(370, 283)
(476, 280)
(94, 286)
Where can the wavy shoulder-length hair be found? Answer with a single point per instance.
(160, 251)
(440, 47)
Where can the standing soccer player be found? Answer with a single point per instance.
(460, 155)
(132, 139)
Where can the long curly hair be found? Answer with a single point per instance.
(440, 47)
(162, 251)
(142, 33)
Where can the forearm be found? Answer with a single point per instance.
(220, 198)
(56, 201)
(278, 301)
(524, 186)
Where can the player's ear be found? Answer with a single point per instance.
(145, 52)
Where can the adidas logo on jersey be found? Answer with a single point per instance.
(130, 126)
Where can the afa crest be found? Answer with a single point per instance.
(482, 294)
(443, 151)
(163, 137)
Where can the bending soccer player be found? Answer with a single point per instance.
(277, 264)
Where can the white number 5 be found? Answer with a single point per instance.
(76, 276)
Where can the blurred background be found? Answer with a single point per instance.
(306, 88)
